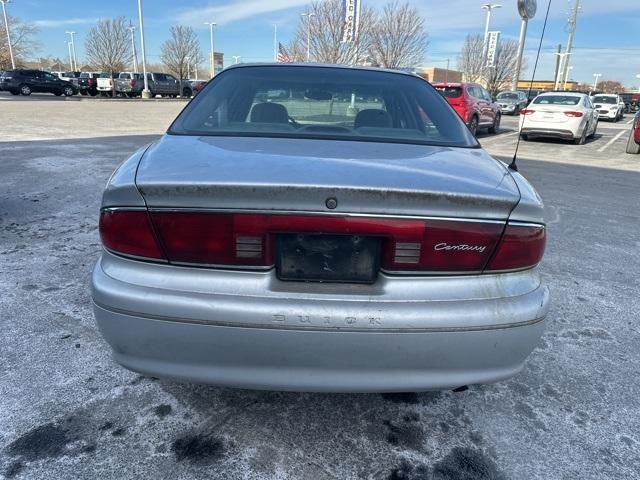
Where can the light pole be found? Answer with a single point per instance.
(145, 93)
(308, 15)
(563, 59)
(527, 10)
(6, 26)
(70, 56)
(74, 67)
(595, 82)
(236, 58)
(213, 55)
(132, 29)
(275, 42)
(566, 77)
(488, 7)
(188, 59)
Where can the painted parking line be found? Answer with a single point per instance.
(610, 142)
(630, 121)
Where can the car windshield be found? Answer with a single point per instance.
(323, 102)
(604, 99)
(557, 100)
(449, 92)
(507, 96)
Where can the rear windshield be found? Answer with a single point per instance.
(328, 103)
(70, 74)
(507, 95)
(449, 92)
(605, 99)
(557, 100)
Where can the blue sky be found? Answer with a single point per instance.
(607, 39)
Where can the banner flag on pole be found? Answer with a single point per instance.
(492, 47)
(350, 20)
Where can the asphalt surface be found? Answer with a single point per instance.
(67, 411)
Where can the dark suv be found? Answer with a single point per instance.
(24, 82)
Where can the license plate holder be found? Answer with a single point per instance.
(327, 258)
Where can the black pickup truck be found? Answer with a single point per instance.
(88, 82)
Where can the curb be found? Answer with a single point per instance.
(77, 98)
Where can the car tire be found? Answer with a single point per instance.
(68, 92)
(93, 94)
(14, 92)
(83, 93)
(593, 134)
(495, 128)
(57, 94)
(524, 137)
(187, 93)
(473, 126)
(632, 146)
(582, 138)
(25, 89)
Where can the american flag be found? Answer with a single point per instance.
(283, 56)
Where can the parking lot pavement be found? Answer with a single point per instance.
(69, 412)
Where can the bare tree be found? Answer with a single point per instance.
(398, 36)
(181, 51)
(325, 27)
(108, 45)
(610, 86)
(496, 77)
(23, 41)
(471, 59)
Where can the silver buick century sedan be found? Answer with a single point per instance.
(320, 228)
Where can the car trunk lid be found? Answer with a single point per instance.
(254, 173)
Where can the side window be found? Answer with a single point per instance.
(486, 95)
(160, 77)
(170, 78)
(472, 91)
(149, 77)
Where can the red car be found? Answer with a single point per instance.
(473, 103)
(633, 144)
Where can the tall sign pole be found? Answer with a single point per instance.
(527, 10)
(6, 25)
(572, 30)
(146, 93)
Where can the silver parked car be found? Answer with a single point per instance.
(347, 234)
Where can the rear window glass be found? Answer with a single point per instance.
(125, 76)
(318, 102)
(507, 96)
(605, 99)
(557, 100)
(449, 92)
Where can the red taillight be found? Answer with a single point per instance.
(246, 239)
(129, 233)
(132, 83)
(522, 246)
(573, 114)
(92, 81)
(527, 111)
(249, 239)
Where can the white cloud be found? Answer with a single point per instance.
(64, 22)
(236, 10)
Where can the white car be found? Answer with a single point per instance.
(565, 115)
(609, 106)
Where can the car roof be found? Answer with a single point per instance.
(564, 94)
(321, 65)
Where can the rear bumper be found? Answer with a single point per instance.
(548, 132)
(249, 330)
